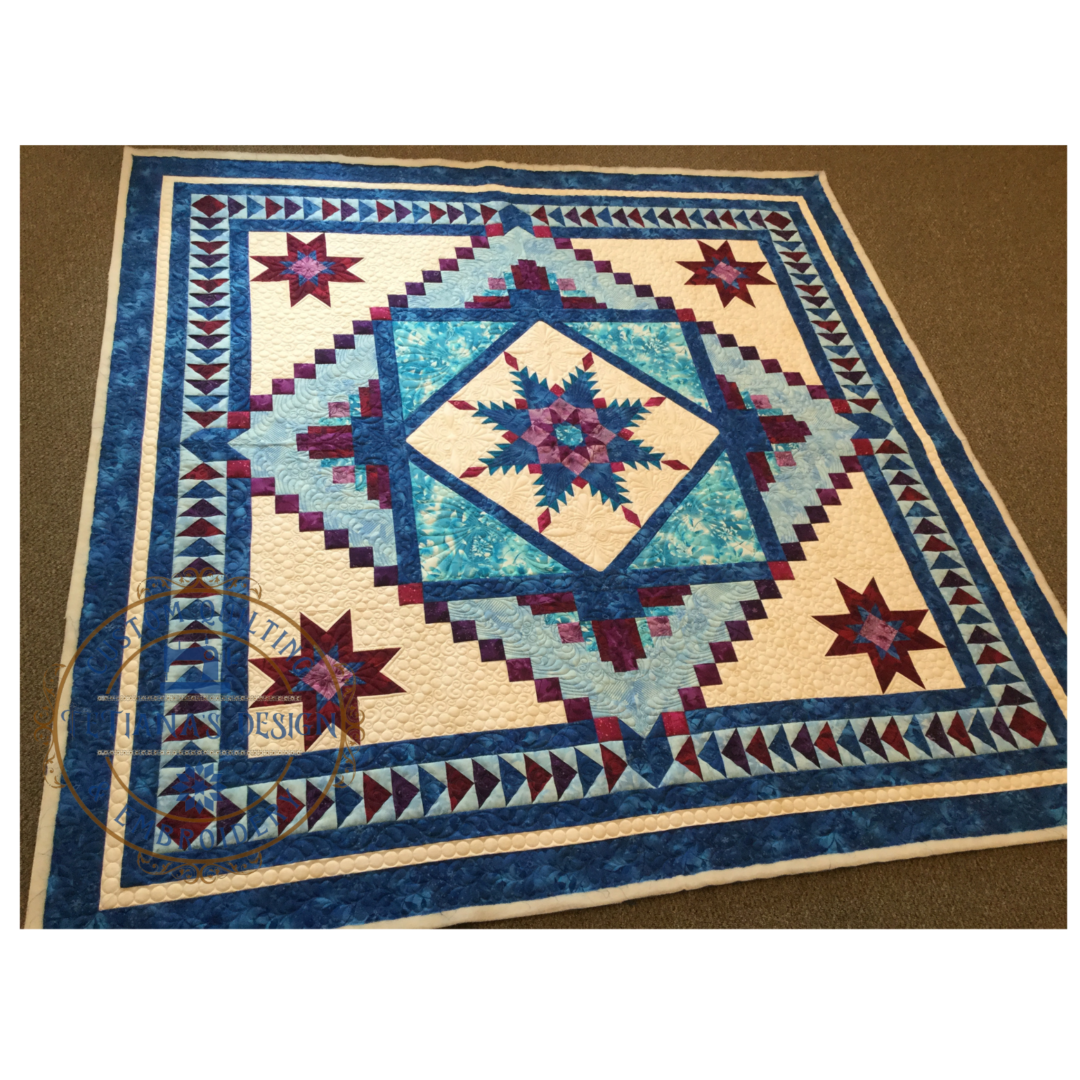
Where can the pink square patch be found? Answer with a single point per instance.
(570, 632)
(344, 474)
(659, 626)
(565, 283)
(496, 283)
(339, 408)
(785, 457)
(760, 401)
(877, 632)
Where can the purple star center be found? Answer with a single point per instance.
(549, 423)
(875, 631)
(727, 273)
(878, 632)
(308, 268)
(320, 680)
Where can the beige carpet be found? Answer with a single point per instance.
(970, 244)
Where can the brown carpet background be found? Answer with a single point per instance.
(969, 243)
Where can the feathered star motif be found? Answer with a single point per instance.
(568, 436)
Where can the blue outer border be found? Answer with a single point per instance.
(539, 874)
(76, 864)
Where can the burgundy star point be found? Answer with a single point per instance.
(870, 626)
(307, 268)
(327, 681)
(730, 276)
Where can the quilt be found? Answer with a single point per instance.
(470, 541)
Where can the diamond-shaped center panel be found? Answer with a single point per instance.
(566, 442)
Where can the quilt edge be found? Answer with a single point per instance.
(485, 163)
(50, 798)
(924, 370)
(684, 883)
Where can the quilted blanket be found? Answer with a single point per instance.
(463, 542)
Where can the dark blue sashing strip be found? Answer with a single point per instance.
(628, 580)
(235, 619)
(706, 375)
(240, 319)
(235, 614)
(405, 539)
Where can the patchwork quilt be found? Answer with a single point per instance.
(474, 541)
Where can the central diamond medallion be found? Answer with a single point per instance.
(570, 444)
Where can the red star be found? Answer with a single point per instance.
(306, 677)
(307, 268)
(723, 270)
(886, 636)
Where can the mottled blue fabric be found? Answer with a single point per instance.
(428, 354)
(458, 541)
(658, 349)
(710, 526)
